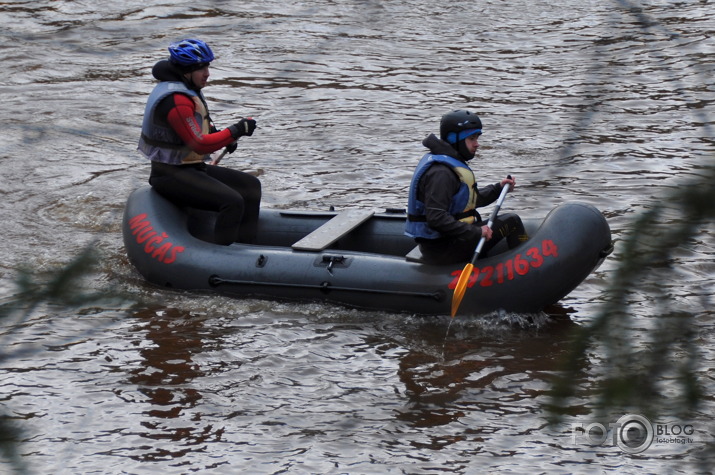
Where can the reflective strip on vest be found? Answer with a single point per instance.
(160, 142)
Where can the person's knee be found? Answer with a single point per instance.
(254, 191)
(234, 204)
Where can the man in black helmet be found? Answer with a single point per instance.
(443, 201)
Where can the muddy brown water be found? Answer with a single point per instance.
(604, 102)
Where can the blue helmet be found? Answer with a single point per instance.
(190, 52)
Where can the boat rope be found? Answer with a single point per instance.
(215, 281)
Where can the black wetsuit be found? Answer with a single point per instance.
(234, 195)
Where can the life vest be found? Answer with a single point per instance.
(159, 142)
(464, 201)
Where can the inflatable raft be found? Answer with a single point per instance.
(360, 258)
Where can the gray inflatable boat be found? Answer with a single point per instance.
(360, 258)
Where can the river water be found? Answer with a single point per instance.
(606, 102)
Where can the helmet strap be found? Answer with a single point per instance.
(463, 151)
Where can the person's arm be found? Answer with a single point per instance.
(438, 186)
(181, 118)
(490, 193)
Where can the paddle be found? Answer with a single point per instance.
(461, 287)
(218, 159)
(225, 150)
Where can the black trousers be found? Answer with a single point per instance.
(453, 250)
(235, 195)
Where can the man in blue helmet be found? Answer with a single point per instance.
(444, 196)
(178, 137)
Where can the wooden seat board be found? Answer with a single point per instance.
(415, 255)
(337, 227)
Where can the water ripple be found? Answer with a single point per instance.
(603, 102)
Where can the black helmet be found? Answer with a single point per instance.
(457, 125)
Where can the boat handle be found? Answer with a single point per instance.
(608, 250)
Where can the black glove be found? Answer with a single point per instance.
(242, 127)
(230, 148)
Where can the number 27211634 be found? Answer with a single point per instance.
(519, 265)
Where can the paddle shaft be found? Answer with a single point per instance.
(218, 159)
(225, 150)
(492, 217)
(461, 286)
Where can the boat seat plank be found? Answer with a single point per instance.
(415, 255)
(337, 227)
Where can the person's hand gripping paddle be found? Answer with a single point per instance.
(461, 287)
(242, 127)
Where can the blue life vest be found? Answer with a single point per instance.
(160, 142)
(463, 204)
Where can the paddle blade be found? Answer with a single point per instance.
(461, 287)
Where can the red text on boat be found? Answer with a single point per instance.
(519, 265)
(155, 244)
